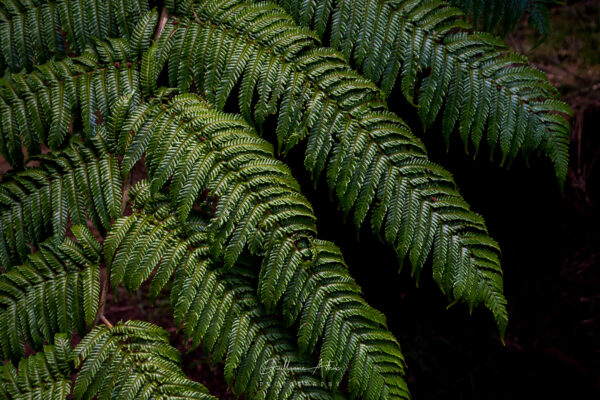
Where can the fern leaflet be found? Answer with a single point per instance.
(373, 162)
(470, 80)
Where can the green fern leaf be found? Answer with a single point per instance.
(33, 32)
(57, 290)
(45, 105)
(258, 201)
(45, 375)
(38, 202)
(256, 207)
(424, 38)
(372, 161)
(132, 360)
(218, 307)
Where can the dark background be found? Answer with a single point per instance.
(550, 242)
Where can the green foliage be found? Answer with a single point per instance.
(132, 360)
(72, 185)
(373, 161)
(469, 80)
(34, 31)
(217, 306)
(42, 107)
(492, 14)
(257, 201)
(45, 375)
(220, 222)
(57, 290)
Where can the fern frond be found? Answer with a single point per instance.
(257, 201)
(217, 306)
(33, 32)
(373, 161)
(46, 105)
(493, 14)
(132, 360)
(45, 375)
(39, 201)
(471, 80)
(232, 164)
(330, 309)
(57, 290)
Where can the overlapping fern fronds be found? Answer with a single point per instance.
(42, 107)
(132, 360)
(470, 80)
(72, 185)
(219, 308)
(220, 222)
(256, 204)
(45, 375)
(57, 290)
(34, 31)
(373, 161)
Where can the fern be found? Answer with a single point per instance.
(57, 290)
(259, 204)
(33, 32)
(218, 307)
(220, 223)
(373, 161)
(470, 80)
(73, 185)
(127, 361)
(132, 360)
(42, 107)
(491, 15)
(45, 375)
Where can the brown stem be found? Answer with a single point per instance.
(162, 21)
(107, 322)
(104, 284)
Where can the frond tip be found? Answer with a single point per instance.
(373, 163)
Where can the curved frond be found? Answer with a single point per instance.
(331, 311)
(257, 203)
(57, 290)
(47, 105)
(68, 186)
(33, 32)
(469, 79)
(373, 162)
(217, 306)
(45, 375)
(132, 360)
(239, 177)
